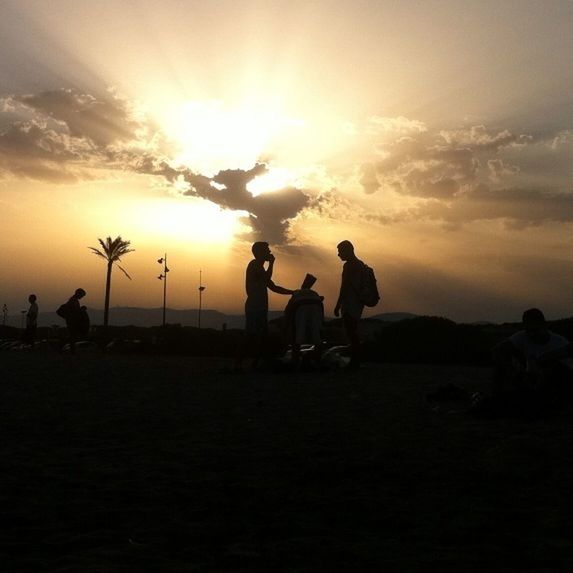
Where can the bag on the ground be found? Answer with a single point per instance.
(369, 295)
(63, 311)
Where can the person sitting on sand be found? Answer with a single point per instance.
(304, 315)
(532, 357)
(532, 368)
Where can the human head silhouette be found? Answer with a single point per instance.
(261, 250)
(32, 298)
(80, 293)
(345, 250)
(534, 324)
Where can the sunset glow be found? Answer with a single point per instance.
(433, 135)
(199, 222)
(209, 135)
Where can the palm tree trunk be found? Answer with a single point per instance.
(107, 293)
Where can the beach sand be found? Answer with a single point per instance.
(133, 463)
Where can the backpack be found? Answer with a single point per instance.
(63, 311)
(368, 292)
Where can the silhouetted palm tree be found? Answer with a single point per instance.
(111, 251)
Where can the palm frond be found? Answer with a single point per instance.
(112, 250)
(97, 252)
(123, 271)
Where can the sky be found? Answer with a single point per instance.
(437, 136)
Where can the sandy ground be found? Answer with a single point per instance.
(132, 463)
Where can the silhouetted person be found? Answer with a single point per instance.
(533, 358)
(76, 316)
(349, 303)
(533, 369)
(304, 314)
(31, 321)
(258, 281)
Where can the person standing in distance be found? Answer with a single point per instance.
(258, 281)
(31, 321)
(349, 303)
(74, 318)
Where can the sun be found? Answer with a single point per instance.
(188, 219)
(209, 136)
(274, 179)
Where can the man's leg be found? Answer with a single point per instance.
(351, 328)
(315, 334)
(253, 343)
(73, 340)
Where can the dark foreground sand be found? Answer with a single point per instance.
(121, 464)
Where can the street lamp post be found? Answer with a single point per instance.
(201, 289)
(163, 277)
(23, 319)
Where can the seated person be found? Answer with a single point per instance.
(533, 359)
(304, 316)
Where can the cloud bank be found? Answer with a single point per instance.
(452, 176)
(469, 174)
(65, 136)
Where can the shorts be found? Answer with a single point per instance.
(255, 322)
(353, 308)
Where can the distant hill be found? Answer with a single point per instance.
(146, 317)
(393, 316)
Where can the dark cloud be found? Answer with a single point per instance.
(416, 167)
(72, 132)
(519, 207)
(474, 174)
(268, 214)
(479, 138)
(30, 149)
(332, 205)
(102, 120)
(440, 164)
(458, 176)
(58, 136)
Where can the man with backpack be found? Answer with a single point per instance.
(357, 289)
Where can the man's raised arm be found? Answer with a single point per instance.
(278, 289)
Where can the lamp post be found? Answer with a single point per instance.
(4, 314)
(23, 319)
(163, 277)
(201, 289)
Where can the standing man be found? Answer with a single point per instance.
(31, 321)
(258, 280)
(349, 301)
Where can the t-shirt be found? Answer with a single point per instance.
(532, 350)
(256, 283)
(32, 314)
(350, 287)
